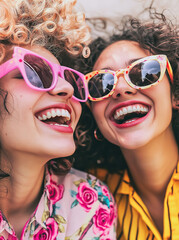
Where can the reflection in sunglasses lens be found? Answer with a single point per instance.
(38, 71)
(76, 82)
(100, 84)
(145, 73)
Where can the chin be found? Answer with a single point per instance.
(65, 150)
(60, 149)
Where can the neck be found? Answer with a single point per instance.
(151, 166)
(22, 190)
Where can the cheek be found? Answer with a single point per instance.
(77, 109)
(98, 111)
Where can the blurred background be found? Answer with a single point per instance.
(117, 8)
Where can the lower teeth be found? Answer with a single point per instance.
(56, 124)
(128, 121)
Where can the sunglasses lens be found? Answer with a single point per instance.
(145, 73)
(77, 82)
(100, 84)
(38, 71)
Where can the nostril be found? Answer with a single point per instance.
(128, 92)
(62, 94)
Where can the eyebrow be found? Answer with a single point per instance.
(133, 60)
(127, 64)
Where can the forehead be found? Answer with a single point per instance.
(36, 49)
(119, 54)
(44, 53)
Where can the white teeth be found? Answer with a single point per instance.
(129, 109)
(58, 112)
(138, 108)
(134, 109)
(145, 109)
(128, 121)
(55, 113)
(125, 111)
(49, 115)
(56, 124)
(44, 117)
(40, 118)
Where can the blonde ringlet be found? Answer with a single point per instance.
(46, 23)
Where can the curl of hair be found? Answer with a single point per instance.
(53, 24)
(159, 36)
(60, 166)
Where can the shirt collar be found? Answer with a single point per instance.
(44, 206)
(126, 185)
(43, 210)
(4, 225)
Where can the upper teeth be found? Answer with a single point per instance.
(55, 113)
(129, 109)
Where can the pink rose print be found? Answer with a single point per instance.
(10, 237)
(2, 238)
(103, 219)
(55, 191)
(47, 234)
(1, 221)
(112, 215)
(105, 191)
(86, 196)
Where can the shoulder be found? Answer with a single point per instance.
(85, 205)
(88, 200)
(112, 180)
(82, 181)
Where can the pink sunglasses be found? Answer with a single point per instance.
(42, 75)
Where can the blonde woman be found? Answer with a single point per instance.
(41, 197)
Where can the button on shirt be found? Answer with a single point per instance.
(74, 206)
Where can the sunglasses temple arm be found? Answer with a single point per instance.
(7, 67)
(170, 71)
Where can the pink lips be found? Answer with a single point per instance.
(57, 117)
(127, 108)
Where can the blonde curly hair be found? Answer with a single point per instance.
(48, 23)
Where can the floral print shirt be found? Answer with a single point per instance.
(73, 206)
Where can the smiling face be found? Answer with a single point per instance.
(131, 118)
(39, 123)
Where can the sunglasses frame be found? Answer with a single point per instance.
(161, 59)
(17, 61)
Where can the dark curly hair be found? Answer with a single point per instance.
(159, 36)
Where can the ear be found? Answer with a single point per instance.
(175, 103)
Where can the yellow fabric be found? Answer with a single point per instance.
(134, 220)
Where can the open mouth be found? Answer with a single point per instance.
(55, 116)
(130, 113)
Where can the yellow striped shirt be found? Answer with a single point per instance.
(134, 220)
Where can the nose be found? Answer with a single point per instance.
(122, 87)
(62, 88)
